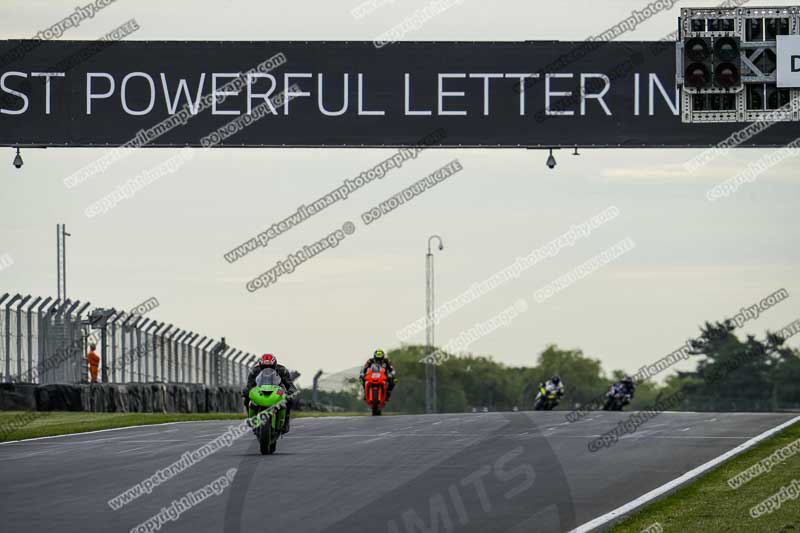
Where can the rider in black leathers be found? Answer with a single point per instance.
(625, 387)
(270, 361)
(380, 358)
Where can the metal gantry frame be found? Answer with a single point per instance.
(697, 23)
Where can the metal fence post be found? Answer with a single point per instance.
(5, 334)
(206, 362)
(127, 332)
(155, 350)
(232, 365)
(177, 359)
(49, 320)
(7, 353)
(113, 320)
(246, 365)
(237, 369)
(190, 353)
(29, 320)
(197, 378)
(136, 355)
(170, 345)
(143, 355)
(193, 355)
(40, 333)
(186, 356)
(123, 344)
(226, 367)
(18, 375)
(179, 356)
(133, 330)
(164, 347)
(71, 339)
(83, 334)
(243, 368)
(231, 356)
(240, 368)
(180, 369)
(223, 366)
(216, 361)
(60, 329)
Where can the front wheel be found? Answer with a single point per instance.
(265, 436)
(375, 403)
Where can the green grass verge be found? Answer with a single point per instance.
(28, 424)
(710, 504)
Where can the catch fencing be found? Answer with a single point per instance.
(46, 341)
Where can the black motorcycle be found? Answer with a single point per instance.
(616, 399)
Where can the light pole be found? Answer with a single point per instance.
(430, 368)
(61, 260)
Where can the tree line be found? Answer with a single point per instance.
(731, 374)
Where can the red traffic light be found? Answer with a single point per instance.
(697, 76)
(726, 75)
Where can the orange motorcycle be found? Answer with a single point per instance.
(376, 383)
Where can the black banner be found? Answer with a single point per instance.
(329, 94)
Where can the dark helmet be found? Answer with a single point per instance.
(556, 380)
(627, 380)
(268, 360)
(379, 355)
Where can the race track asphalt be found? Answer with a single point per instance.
(481, 472)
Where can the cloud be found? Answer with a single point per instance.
(715, 172)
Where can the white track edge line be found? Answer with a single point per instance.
(111, 429)
(655, 493)
(159, 424)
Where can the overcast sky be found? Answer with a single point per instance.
(693, 260)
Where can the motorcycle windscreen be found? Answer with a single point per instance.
(268, 376)
(375, 368)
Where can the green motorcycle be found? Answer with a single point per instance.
(267, 410)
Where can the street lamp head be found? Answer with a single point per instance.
(18, 160)
(551, 161)
(437, 238)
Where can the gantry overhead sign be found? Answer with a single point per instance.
(695, 92)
